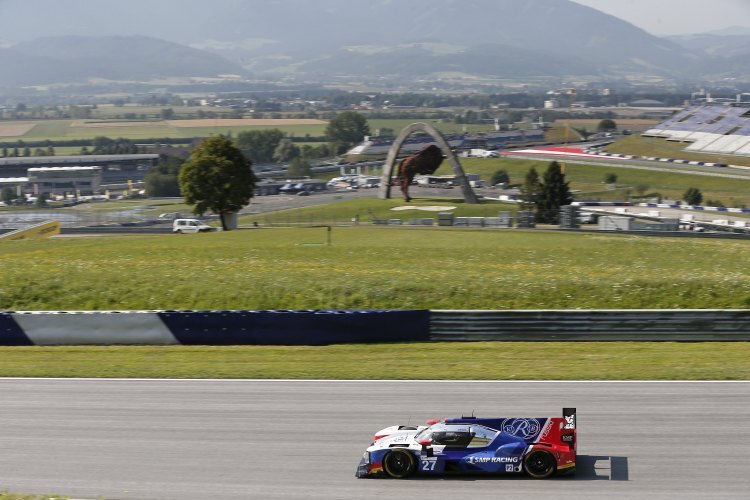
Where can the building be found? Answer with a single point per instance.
(114, 168)
(66, 180)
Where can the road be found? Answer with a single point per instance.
(169, 439)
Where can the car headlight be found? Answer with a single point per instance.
(366, 457)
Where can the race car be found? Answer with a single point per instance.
(539, 447)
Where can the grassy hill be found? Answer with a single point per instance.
(374, 268)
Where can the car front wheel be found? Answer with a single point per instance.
(399, 464)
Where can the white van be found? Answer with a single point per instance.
(190, 226)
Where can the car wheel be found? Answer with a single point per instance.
(179, 231)
(399, 464)
(539, 464)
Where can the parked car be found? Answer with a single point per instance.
(190, 226)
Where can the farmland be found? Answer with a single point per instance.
(57, 130)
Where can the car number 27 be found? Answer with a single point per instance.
(428, 464)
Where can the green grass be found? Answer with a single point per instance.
(587, 181)
(6, 495)
(662, 148)
(457, 361)
(375, 268)
(367, 209)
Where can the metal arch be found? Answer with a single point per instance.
(385, 182)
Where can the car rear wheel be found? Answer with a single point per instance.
(399, 464)
(539, 464)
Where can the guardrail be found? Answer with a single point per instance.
(592, 325)
(322, 327)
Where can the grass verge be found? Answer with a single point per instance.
(6, 495)
(432, 360)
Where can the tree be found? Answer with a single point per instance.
(530, 190)
(610, 178)
(285, 151)
(607, 125)
(500, 177)
(299, 167)
(8, 194)
(554, 194)
(346, 130)
(217, 177)
(259, 145)
(167, 113)
(162, 179)
(693, 196)
(41, 200)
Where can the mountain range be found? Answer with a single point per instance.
(315, 40)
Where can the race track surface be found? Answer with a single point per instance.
(171, 439)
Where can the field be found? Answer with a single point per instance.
(134, 129)
(375, 268)
(156, 128)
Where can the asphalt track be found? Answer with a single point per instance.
(171, 439)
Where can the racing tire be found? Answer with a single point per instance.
(540, 464)
(399, 464)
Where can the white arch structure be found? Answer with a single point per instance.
(385, 182)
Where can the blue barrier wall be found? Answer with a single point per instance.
(11, 333)
(302, 327)
(296, 327)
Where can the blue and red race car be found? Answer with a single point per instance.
(539, 447)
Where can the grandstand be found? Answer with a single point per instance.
(718, 129)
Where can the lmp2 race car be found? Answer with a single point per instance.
(539, 447)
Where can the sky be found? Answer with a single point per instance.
(675, 17)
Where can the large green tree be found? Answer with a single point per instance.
(607, 125)
(554, 194)
(346, 130)
(259, 145)
(285, 151)
(299, 167)
(217, 177)
(162, 179)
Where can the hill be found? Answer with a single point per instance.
(63, 59)
(414, 39)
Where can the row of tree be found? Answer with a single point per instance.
(26, 152)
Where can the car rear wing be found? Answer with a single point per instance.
(569, 414)
(568, 434)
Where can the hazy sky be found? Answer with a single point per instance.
(672, 17)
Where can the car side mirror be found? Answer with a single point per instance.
(425, 442)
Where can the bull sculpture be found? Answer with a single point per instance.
(424, 162)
